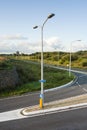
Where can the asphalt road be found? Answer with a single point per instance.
(79, 87)
(67, 120)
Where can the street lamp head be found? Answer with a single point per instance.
(50, 16)
(35, 27)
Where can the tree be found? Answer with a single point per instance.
(17, 53)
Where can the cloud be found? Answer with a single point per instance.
(54, 43)
(11, 44)
(13, 37)
(18, 42)
(78, 46)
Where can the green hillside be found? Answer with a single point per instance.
(29, 75)
(29, 72)
(78, 59)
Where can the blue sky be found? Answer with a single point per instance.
(17, 18)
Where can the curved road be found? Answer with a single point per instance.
(77, 88)
(66, 120)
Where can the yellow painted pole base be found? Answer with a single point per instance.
(41, 103)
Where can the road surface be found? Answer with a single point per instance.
(69, 120)
(79, 87)
(75, 119)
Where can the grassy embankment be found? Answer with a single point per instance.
(29, 75)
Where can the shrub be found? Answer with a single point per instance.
(74, 57)
(84, 63)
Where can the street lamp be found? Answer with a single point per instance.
(71, 56)
(42, 80)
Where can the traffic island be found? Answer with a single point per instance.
(64, 104)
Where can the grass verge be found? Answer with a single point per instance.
(29, 75)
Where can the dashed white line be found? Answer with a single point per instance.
(81, 87)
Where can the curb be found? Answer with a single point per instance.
(56, 106)
(62, 86)
(47, 111)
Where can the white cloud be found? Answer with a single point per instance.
(11, 44)
(78, 46)
(54, 43)
(13, 37)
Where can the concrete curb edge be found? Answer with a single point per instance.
(44, 111)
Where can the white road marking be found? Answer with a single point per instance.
(85, 89)
(81, 87)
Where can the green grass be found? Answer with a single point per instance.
(28, 87)
(5, 64)
(29, 75)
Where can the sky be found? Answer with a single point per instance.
(68, 28)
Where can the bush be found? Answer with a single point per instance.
(84, 64)
(74, 57)
(5, 65)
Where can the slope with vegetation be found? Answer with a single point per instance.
(29, 73)
(78, 59)
(29, 76)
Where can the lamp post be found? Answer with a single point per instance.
(42, 79)
(71, 56)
